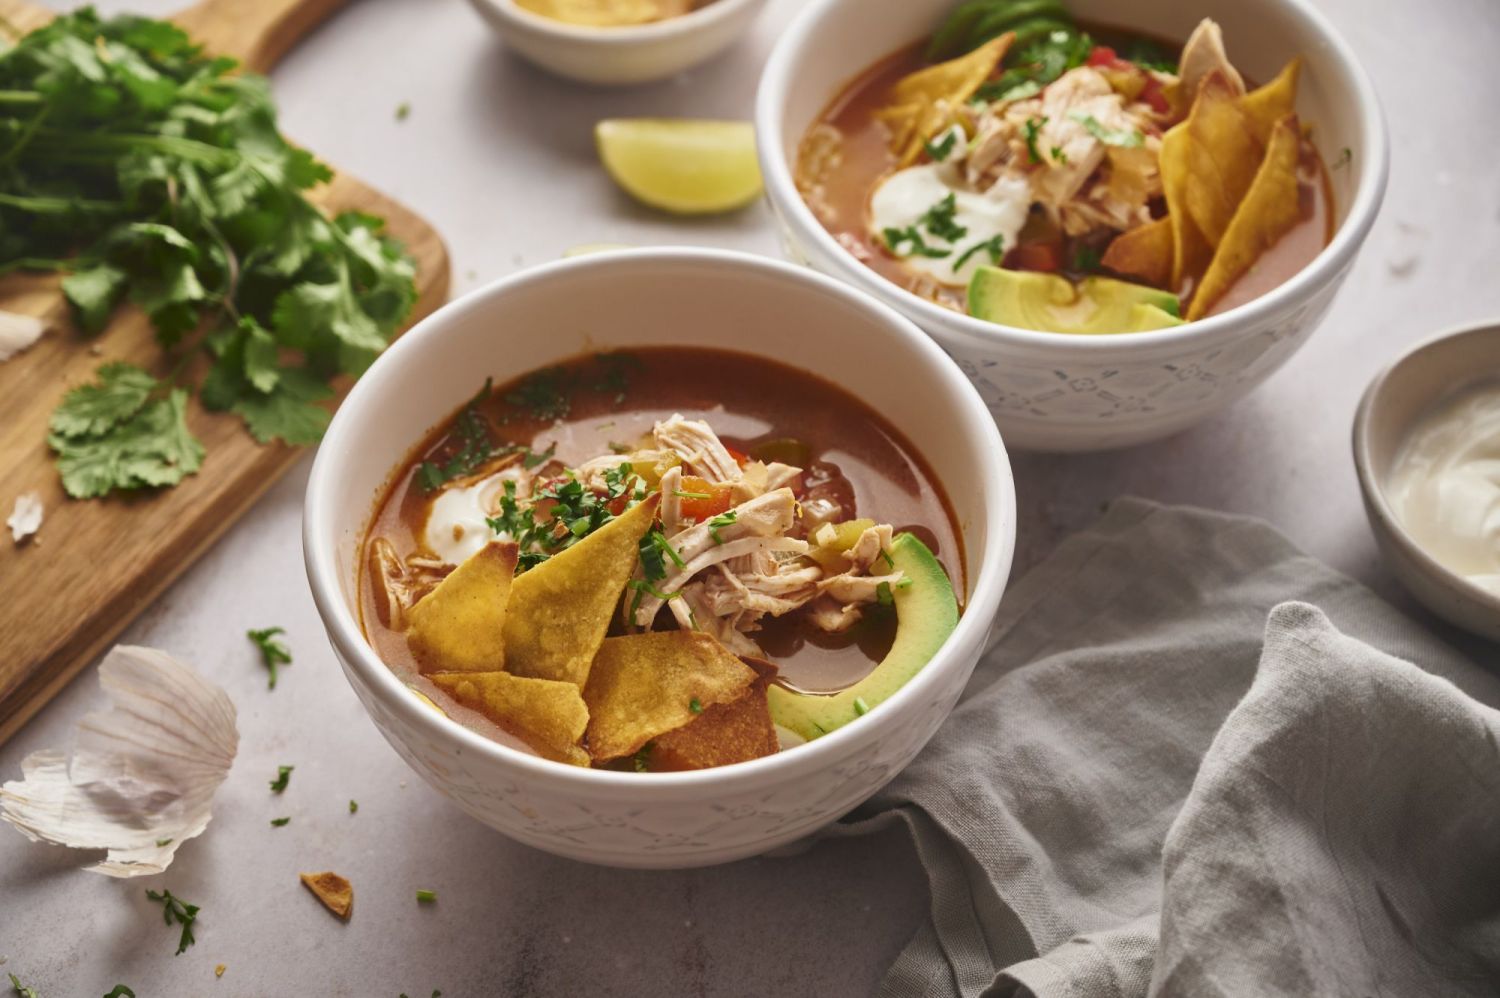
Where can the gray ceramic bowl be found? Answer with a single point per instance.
(1395, 400)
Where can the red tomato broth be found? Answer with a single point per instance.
(749, 401)
(841, 202)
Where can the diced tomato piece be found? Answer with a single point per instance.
(694, 504)
(740, 457)
(1045, 257)
(1152, 94)
(1102, 55)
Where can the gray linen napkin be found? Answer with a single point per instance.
(1183, 768)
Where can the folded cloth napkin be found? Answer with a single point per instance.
(1197, 762)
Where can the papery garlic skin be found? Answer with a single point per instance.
(143, 773)
(26, 517)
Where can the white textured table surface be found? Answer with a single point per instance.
(501, 159)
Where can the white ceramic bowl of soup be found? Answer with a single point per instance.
(1051, 391)
(637, 298)
(620, 56)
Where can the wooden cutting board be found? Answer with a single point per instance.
(97, 564)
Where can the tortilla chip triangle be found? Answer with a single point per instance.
(1221, 157)
(457, 627)
(1267, 213)
(560, 610)
(1144, 252)
(645, 685)
(336, 893)
(550, 716)
(724, 733)
(924, 102)
(1190, 250)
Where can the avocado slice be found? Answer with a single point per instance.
(926, 613)
(1051, 304)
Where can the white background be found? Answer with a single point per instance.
(500, 158)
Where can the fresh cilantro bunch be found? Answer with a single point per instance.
(149, 173)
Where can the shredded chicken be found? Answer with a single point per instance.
(699, 447)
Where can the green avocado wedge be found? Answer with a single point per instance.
(1052, 304)
(926, 613)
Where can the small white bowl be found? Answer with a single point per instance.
(1052, 391)
(620, 300)
(1399, 396)
(620, 56)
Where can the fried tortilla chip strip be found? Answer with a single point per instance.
(336, 893)
(457, 627)
(1221, 155)
(1270, 209)
(927, 101)
(560, 609)
(1144, 252)
(724, 733)
(1190, 250)
(605, 13)
(1267, 105)
(549, 716)
(644, 685)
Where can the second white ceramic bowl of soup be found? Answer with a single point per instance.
(616, 301)
(1052, 391)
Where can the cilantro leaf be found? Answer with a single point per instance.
(120, 991)
(1125, 138)
(152, 448)
(121, 391)
(290, 411)
(272, 651)
(92, 294)
(176, 910)
(283, 777)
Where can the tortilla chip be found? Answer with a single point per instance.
(644, 685)
(1221, 155)
(1144, 252)
(458, 626)
(927, 101)
(1270, 209)
(1267, 105)
(336, 893)
(560, 610)
(724, 733)
(549, 716)
(1190, 250)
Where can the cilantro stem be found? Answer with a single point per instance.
(21, 97)
(42, 205)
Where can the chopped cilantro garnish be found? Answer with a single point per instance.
(642, 586)
(1058, 156)
(120, 991)
(860, 707)
(1130, 139)
(1086, 258)
(615, 379)
(681, 494)
(283, 776)
(176, 910)
(994, 246)
(426, 897)
(1029, 131)
(272, 651)
(883, 594)
(642, 759)
(471, 433)
(1346, 157)
(696, 706)
(939, 150)
(403, 111)
(940, 222)
(655, 549)
(896, 238)
(532, 459)
(544, 394)
(353, 806)
(719, 522)
(279, 822)
(574, 512)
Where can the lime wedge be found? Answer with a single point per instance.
(683, 166)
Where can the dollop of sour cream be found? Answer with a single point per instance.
(456, 528)
(1445, 485)
(905, 197)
